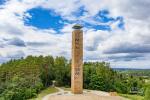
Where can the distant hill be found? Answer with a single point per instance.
(124, 69)
(134, 72)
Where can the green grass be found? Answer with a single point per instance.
(132, 97)
(45, 92)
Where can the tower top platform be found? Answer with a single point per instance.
(77, 26)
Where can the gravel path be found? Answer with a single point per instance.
(87, 95)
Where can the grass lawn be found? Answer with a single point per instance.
(45, 92)
(132, 97)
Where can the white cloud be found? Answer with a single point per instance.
(135, 13)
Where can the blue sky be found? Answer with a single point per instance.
(114, 31)
(2, 2)
(44, 19)
(48, 19)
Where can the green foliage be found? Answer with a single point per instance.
(97, 83)
(121, 87)
(24, 78)
(47, 70)
(147, 93)
(62, 71)
(99, 76)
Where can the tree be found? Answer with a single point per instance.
(47, 70)
(61, 71)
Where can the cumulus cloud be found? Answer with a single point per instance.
(129, 48)
(38, 44)
(94, 38)
(3, 59)
(125, 40)
(15, 55)
(126, 57)
(11, 55)
(10, 29)
(16, 41)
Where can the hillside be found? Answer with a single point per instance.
(24, 78)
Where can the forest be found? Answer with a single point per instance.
(24, 78)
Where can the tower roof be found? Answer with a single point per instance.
(77, 26)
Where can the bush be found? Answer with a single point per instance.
(30, 93)
(97, 83)
(120, 87)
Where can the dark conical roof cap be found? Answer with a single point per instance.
(77, 26)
